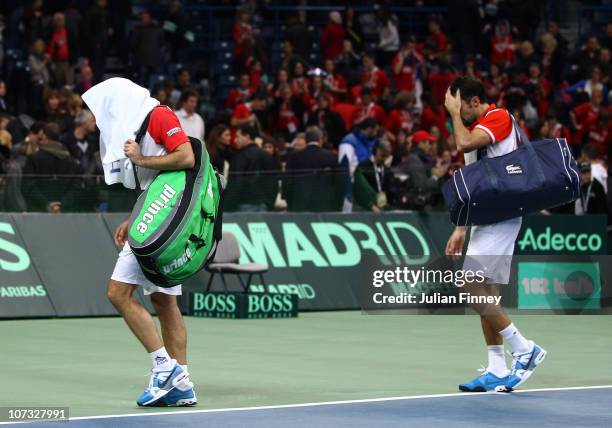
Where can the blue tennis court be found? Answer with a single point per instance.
(562, 407)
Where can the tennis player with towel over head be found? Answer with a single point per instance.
(120, 108)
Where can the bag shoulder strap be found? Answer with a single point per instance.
(520, 134)
(521, 138)
(139, 136)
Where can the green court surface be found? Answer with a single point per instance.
(96, 367)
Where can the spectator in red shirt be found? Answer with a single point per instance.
(332, 37)
(289, 111)
(300, 84)
(502, 48)
(495, 83)
(58, 51)
(584, 116)
(433, 113)
(600, 134)
(366, 107)
(401, 115)
(538, 89)
(440, 78)
(470, 69)
(255, 72)
(374, 78)
(242, 32)
(552, 128)
(405, 64)
(334, 82)
(240, 94)
(437, 39)
(246, 113)
(317, 89)
(282, 77)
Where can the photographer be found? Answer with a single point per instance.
(372, 185)
(419, 165)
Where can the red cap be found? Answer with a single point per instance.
(419, 136)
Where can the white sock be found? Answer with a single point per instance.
(497, 360)
(160, 359)
(185, 384)
(515, 339)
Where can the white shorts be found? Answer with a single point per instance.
(128, 270)
(491, 248)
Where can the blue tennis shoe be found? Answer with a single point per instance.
(161, 383)
(523, 366)
(181, 396)
(483, 383)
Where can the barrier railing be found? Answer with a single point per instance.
(295, 191)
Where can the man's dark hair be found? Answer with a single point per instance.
(469, 88)
(188, 93)
(365, 91)
(383, 145)
(313, 134)
(258, 95)
(52, 131)
(589, 151)
(36, 127)
(368, 122)
(249, 130)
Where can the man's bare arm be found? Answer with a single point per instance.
(181, 158)
(397, 67)
(235, 122)
(465, 139)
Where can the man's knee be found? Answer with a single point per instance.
(118, 293)
(163, 302)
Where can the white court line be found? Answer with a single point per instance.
(331, 403)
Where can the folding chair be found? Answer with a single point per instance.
(226, 262)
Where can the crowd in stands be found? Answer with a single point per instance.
(361, 127)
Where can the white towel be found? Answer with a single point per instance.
(119, 106)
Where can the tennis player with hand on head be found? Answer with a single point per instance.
(479, 126)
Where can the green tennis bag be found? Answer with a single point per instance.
(176, 223)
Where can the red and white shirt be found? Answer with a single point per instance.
(502, 50)
(375, 79)
(164, 134)
(287, 119)
(238, 96)
(497, 124)
(399, 119)
(405, 79)
(362, 112)
(335, 82)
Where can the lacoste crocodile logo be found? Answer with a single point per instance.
(514, 169)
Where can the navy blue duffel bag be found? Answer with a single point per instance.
(537, 175)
